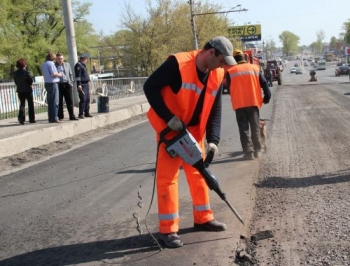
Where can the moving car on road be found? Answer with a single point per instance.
(293, 70)
(342, 70)
(299, 71)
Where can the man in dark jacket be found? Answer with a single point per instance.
(24, 80)
(82, 78)
(186, 91)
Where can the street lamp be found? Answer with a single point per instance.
(195, 40)
(229, 12)
(264, 48)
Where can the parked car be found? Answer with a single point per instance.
(342, 70)
(293, 70)
(298, 71)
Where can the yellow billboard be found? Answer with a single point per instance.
(246, 32)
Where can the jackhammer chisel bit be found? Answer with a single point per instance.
(213, 184)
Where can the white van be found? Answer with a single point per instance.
(321, 65)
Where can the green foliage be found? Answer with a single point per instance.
(166, 30)
(29, 29)
(290, 42)
(346, 33)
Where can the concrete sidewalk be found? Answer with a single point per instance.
(16, 138)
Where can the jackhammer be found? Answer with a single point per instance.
(186, 146)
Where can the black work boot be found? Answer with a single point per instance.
(248, 156)
(257, 154)
(171, 240)
(213, 225)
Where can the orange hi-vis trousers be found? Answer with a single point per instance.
(167, 174)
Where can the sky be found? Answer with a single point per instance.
(304, 18)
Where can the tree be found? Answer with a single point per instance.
(167, 30)
(290, 42)
(30, 29)
(346, 32)
(333, 43)
(269, 48)
(319, 43)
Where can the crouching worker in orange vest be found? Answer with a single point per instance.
(245, 82)
(186, 89)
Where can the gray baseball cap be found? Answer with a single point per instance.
(84, 55)
(222, 44)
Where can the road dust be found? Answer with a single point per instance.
(303, 197)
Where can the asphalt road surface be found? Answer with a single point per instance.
(77, 207)
(303, 197)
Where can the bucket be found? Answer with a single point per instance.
(102, 104)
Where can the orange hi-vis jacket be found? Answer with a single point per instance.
(245, 89)
(184, 102)
(183, 105)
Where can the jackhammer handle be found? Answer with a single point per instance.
(167, 130)
(163, 133)
(209, 158)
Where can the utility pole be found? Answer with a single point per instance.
(70, 40)
(195, 41)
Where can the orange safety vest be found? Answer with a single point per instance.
(184, 102)
(245, 89)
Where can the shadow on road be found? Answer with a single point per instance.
(292, 182)
(123, 251)
(227, 157)
(137, 171)
(118, 250)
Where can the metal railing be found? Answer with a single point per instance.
(113, 88)
(117, 87)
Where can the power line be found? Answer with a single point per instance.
(195, 40)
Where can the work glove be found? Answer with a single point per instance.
(211, 150)
(175, 123)
(212, 147)
(266, 100)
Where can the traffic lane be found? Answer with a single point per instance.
(83, 202)
(79, 207)
(87, 194)
(323, 76)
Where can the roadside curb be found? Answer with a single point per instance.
(33, 139)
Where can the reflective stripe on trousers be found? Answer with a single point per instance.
(168, 195)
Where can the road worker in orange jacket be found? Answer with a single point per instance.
(186, 90)
(246, 81)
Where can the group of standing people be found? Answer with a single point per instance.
(186, 91)
(58, 82)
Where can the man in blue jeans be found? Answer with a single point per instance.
(51, 79)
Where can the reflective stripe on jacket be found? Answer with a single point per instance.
(245, 89)
(184, 102)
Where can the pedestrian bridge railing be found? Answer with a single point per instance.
(115, 88)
